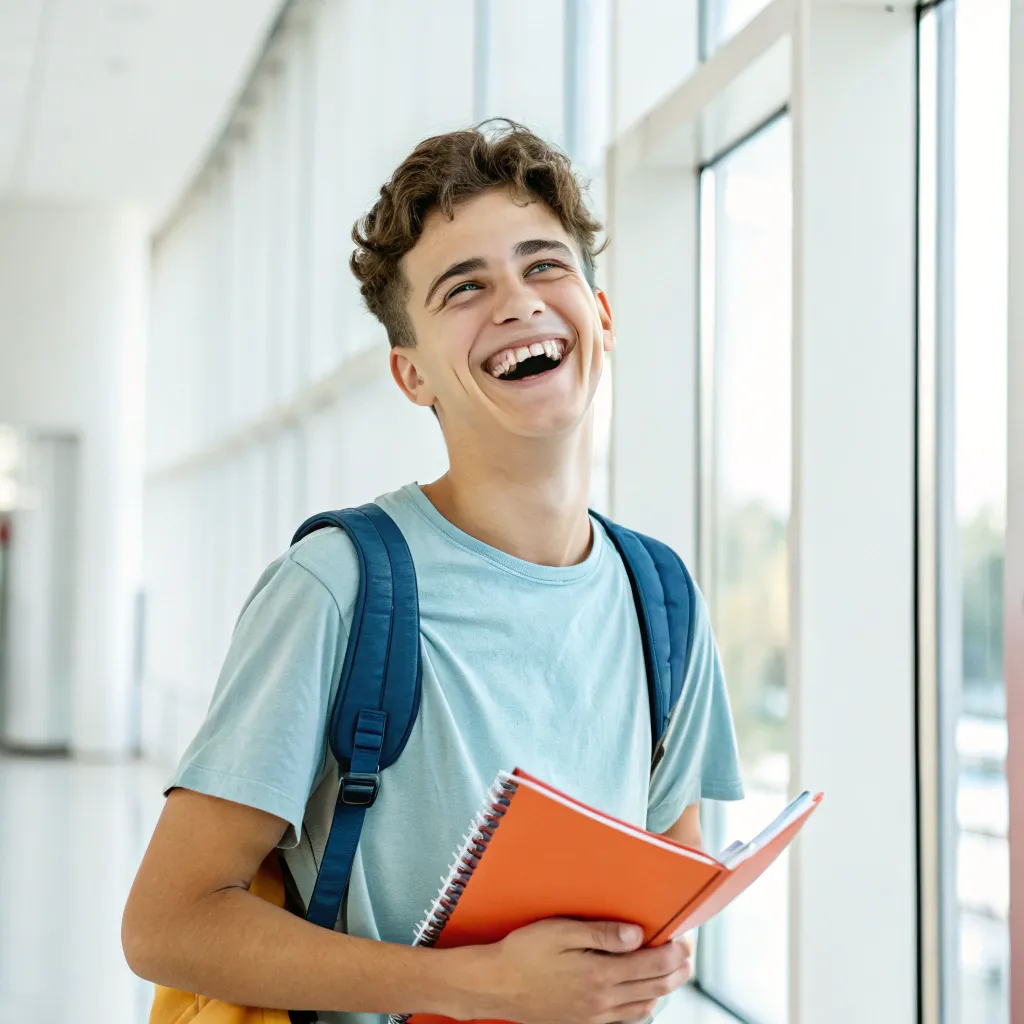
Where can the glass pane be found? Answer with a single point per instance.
(722, 19)
(746, 242)
(980, 72)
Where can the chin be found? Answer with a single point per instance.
(549, 423)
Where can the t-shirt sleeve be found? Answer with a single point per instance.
(263, 741)
(700, 760)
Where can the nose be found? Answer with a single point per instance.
(515, 299)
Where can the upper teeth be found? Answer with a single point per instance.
(506, 361)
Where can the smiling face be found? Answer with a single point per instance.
(509, 336)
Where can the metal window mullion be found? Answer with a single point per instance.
(711, 947)
(929, 749)
(1014, 545)
(949, 595)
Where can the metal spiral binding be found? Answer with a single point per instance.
(487, 820)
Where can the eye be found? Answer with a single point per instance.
(459, 289)
(545, 265)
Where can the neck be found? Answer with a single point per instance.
(529, 499)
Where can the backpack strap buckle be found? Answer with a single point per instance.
(361, 783)
(359, 789)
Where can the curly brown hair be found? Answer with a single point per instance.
(442, 172)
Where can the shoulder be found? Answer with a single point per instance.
(328, 556)
(326, 562)
(319, 574)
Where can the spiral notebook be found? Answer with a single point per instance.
(534, 852)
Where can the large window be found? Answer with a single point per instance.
(965, 95)
(746, 243)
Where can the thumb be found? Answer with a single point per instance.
(611, 936)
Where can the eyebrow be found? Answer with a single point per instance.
(463, 267)
(530, 247)
(535, 245)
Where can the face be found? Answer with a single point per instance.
(510, 338)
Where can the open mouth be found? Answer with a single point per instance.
(521, 361)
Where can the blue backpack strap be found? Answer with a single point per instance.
(664, 594)
(379, 690)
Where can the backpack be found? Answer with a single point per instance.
(378, 695)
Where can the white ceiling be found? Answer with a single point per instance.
(119, 100)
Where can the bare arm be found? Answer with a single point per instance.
(687, 829)
(191, 924)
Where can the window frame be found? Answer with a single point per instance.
(1013, 601)
(935, 697)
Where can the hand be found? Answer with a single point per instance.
(560, 972)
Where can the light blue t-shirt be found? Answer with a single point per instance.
(523, 665)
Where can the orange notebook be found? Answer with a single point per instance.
(534, 852)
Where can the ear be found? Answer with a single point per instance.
(409, 379)
(604, 309)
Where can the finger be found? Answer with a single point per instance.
(645, 964)
(653, 988)
(606, 936)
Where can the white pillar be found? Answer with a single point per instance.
(652, 283)
(73, 284)
(852, 672)
(39, 594)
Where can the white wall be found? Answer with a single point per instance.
(73, 283)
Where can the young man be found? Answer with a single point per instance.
(478, 260)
